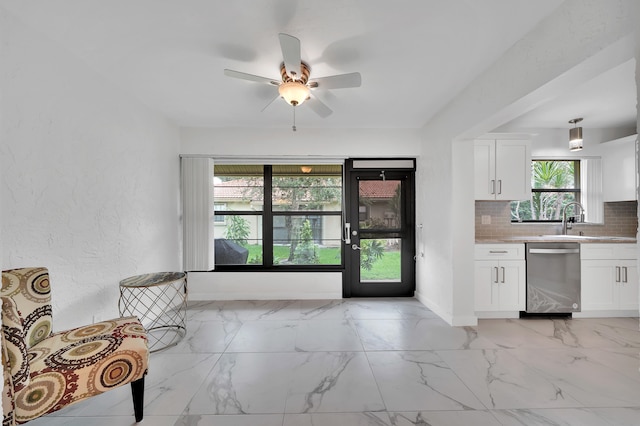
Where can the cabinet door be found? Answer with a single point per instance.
(599, 289)
(512, 285)
(619, 170)
(484, 153)
(628, 285)
(513, 170)
(486, 286)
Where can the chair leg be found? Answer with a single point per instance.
(137, 390)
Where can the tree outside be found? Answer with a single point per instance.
(548, 176)
(237, 230)
(301, 194)
(306, 250)
(370, 252)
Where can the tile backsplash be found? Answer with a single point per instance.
(620, 220)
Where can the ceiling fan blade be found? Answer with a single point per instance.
(250, 77)
(341, 81)
(319, 107)
(270, 102)
(291, 54)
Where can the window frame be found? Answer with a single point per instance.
(576, 190)
(268, 214)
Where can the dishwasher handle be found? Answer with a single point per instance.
(553, 251)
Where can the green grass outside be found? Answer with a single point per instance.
(385, 268)
(327, 255)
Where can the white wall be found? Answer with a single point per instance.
(89, 178)
(283, 142)
(434, 188)
(558, 55)
(264, 286)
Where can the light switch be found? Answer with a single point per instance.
(486, 219)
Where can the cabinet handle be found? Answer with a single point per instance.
(498, 252)
(624, 270)
(502, 267)
(499, 186)
(496, 268)
(617, 274)
(493, 186)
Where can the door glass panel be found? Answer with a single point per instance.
(380, 260)
(380, 204)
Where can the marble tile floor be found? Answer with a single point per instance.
(379, 362)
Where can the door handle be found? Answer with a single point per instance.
(496, 268)
(347, 233)
(493, 186)
(355, 247)
(502, 267)
(624, 270)
(499, 186)
(617, 274)
(554, 251)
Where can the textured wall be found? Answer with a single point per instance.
(89, 177)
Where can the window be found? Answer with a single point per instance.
(284, 216)
(554, 184)
(217, 207)
(363, 213)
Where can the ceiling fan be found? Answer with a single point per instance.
(295, 86)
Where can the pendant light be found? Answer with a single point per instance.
(575, 135)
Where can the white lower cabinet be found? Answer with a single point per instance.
(609, 276)
(499, 276)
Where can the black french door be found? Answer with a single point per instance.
(379, 238)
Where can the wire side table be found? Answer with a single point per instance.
(159, 300)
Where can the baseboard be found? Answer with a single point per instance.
(203, 297)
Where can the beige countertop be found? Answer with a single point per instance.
(556, 238)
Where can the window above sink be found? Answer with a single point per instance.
(556, 183)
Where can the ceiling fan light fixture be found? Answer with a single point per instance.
(294, 92)
(575, 135)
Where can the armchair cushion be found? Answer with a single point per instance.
(80, 363)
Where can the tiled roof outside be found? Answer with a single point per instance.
(378, 188)
(235, 190)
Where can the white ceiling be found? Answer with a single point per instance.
(414, 55)
(607, 101)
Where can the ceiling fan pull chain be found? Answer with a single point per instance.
(294, 119)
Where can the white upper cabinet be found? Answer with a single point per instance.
(502, 169)
(619, 169)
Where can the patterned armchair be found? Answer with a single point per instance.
(45, 371)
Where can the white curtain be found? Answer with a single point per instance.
(591, 183)
(197, 213)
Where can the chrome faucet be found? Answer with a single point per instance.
(564, 215)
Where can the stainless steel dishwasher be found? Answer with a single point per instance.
(553, 277)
